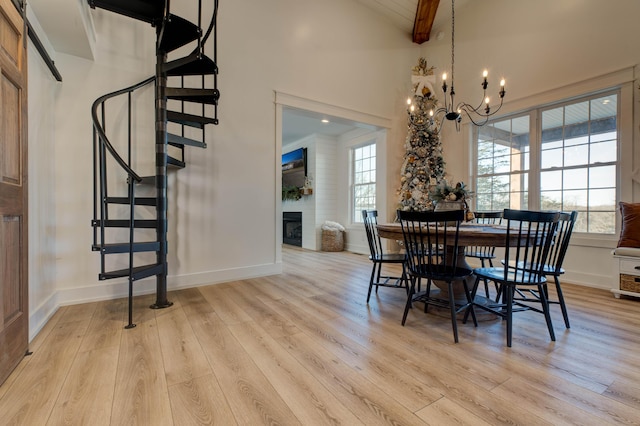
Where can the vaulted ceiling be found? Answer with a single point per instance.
(66, 21)
(414, 16)
(417, 17)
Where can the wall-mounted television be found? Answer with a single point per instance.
(294, 168)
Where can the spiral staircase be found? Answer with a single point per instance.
(123, 233)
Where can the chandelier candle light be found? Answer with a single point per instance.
(478, 115)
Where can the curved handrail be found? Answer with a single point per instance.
(101, 133)
(214, 18)
(165, 17)
(167, 8)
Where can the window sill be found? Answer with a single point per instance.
(586, 240)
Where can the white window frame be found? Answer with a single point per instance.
(510, 174)
(356, 212)
(622, 81)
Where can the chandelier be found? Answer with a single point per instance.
(477, 115)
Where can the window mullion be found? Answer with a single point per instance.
(535, 159)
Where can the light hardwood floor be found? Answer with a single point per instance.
(304, 348)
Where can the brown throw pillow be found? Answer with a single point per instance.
(630, 232)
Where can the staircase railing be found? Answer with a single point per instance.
(102, 145)
(213, 27)
(99, 131)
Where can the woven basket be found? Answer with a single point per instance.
(332, 240)
(630, 283)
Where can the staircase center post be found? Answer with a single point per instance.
(161, 180)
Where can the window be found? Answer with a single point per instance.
(502, 177)
(364, 180)
(569, 161)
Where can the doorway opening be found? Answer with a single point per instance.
(325, 131)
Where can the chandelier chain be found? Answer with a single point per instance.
(478, 116)
(453, 31)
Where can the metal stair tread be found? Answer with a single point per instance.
(139, 201)
(177, 33)
(193, 64)
(138, 247)
(147, 180)
(150, 11)
(138, 272)
(177, 140)
(125, 223)
(174, 162)
(204, 96)
(189, 119)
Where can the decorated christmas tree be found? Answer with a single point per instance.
(423, 166)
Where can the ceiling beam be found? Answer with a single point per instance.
(425, 15)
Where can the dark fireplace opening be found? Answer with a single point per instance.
(292, 228)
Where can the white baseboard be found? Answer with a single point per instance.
(39, 316)
(108, 290)
(357, 248)
(587, 280)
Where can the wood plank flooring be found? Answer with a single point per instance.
(304, 348)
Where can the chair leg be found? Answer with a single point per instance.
(545, 308)
(508, 296)
(470, 307)
(561, 301)
(404, 278)
(427, 294)
(495, 283)
(378, 276)
(499, 293)
(486, 282)
(486, 288)
(452, 306)
(407, 306)
(472, 297)
(373, 275)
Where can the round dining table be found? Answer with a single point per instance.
(470, 234)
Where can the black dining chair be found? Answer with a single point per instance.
(485, 254)
(523, 266)
(379, 257)
(553, 267)
(422, 232)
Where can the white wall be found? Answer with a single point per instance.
(326, 185)
(540, 46)
(222, 207)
